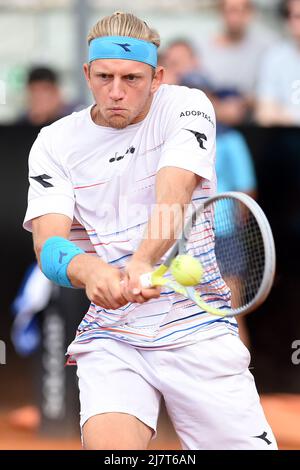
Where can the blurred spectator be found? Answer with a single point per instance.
(231, 60)
(179, 58)
(45, 103)
(235, 172)
(278, 93)
(182, 64)
(234, 165)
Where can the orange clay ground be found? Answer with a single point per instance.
(18, 431)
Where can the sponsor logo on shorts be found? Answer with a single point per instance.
(197, 113)
(263, 437)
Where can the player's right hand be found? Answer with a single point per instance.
(102, 282)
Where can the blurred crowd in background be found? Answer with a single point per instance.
(244, 53)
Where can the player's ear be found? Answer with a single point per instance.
(157, 78)
(86, 70)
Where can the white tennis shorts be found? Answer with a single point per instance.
(209, 392)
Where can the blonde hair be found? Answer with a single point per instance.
(124, 24)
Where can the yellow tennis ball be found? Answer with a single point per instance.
(186, 270)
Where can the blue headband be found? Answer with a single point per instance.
(123, 47)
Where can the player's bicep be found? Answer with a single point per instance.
(175, 185)
(47, 226)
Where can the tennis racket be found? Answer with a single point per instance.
(231, 238)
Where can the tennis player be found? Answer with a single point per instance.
(118, 174)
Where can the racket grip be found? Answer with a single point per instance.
(146, 280)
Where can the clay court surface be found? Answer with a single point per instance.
(282, 411)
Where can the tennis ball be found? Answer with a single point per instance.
(186, 270)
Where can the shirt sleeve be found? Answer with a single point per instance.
(190, 141)
(50, 189)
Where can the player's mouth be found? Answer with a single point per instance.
(117, 110)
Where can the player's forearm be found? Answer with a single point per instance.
(163, 228)
(174, 189)
(80, 268)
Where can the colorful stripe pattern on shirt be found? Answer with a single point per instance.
(171, 319)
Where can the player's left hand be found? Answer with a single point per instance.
(131, 287)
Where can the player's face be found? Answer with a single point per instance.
(123, 90)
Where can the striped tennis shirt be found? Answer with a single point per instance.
(103, 179)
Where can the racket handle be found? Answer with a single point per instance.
(146, 280)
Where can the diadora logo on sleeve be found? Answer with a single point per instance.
(197, 113)
(42, 180)
(119, 157)
(201, 138)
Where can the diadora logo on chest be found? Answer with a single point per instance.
(119, 157)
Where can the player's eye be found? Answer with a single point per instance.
(131, 78)
(103, 76)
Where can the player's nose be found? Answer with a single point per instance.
(116, 91)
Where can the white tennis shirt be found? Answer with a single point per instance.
(103, 179)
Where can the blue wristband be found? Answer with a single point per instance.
(56, 254)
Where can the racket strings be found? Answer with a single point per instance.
(201, 244)
(239, 249)
(227, 241)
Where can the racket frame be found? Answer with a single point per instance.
(148, 279)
